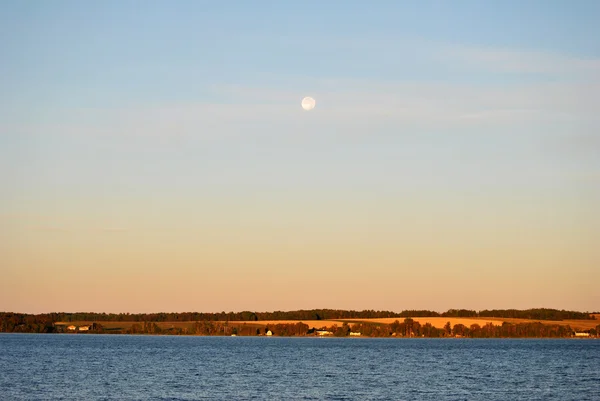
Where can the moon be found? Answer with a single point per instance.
(308, 103)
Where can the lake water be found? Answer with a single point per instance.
(112, 367)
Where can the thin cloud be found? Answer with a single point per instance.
(493, 58)
(425, 101)
(342, 104)
(520, 61)
(483, 59)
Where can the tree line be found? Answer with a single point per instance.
(41, 322)
(412, 328)
(405, 328)
(532, 314)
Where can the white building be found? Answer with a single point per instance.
(581, 334)
(269, 333)
(354, 334)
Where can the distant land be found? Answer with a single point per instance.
(497, 323)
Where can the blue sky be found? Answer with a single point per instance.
(131, 114)
(150, 51)
(109, 67)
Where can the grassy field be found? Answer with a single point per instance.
(438, 322)
(575, 324)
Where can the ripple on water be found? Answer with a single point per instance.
(194, 368)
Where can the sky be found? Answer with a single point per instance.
(154, 156)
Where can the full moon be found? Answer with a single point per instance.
(308, 103)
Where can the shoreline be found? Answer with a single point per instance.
(304, 337)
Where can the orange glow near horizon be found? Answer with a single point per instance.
(276, 255)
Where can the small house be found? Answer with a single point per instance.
(269, 333)
(71, 328)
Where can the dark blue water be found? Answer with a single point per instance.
(110, 367)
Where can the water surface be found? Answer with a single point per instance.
(114, 367)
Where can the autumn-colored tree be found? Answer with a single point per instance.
(447, 329)
(475, 330)
(408, 327)
(460, 330)
(396, 327)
